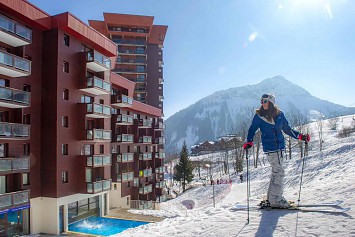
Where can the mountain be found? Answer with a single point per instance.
(215, 115)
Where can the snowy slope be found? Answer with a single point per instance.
(216, 114)
(328, 175)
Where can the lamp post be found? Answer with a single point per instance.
(210, 168)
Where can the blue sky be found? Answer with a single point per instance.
(213, 45)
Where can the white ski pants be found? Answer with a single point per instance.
(276, 185)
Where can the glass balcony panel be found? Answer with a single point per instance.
(106, 160)
(20, 130)
(21, 96)
(97, 160)
(98, 109)
(20, 164)
(5, 94)
(124, 177)
(22, 64)
(20, 197)
(89, 134)
(5, 129)
(89, 108)
(5, 200)
(6, 59)
(106, 86)
(106, 184)
(106, 135)
(7, 24)
(5, 165)
(130, 176)
(98, 187)
(106, 110)
(23, 32)
(89, 161)
(98, 82)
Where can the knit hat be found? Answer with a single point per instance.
(270, 97)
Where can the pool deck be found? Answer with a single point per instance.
(124, 214)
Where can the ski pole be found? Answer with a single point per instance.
(248, 180)
(306, 150)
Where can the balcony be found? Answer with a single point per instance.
(160, 184)
(97, 62)
(161, 198)
(14, 165)
(126, 176)
(14, 199)
(145, 173)
(13, 98)
(145, 156)
(131, 52)
(125, 157)
(124, 119)
(121, 100)
(161, 81)
(13, 33)
(14, 131)
(131, 61)
(129, 71)
(98, 161)
(98, 134)
(146, 189)
(124, 138)
(98, 186)
(94, 110)
(145, 139)
(97, 86)
(159, 155)
(14, 66)
(159, 126)
(144, 123)
(160, 170)
(129, 42)
(160, 140)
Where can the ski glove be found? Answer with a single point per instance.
(304, 137)
(248, 145)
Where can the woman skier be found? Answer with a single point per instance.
(271, 122)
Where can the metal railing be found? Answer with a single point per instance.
(98, 160)
(130, 42)
(124, 118)
(98, 186)
(98, 134)
(122, 99)
(13, 199)
(15, 62)
(131, 60)
(98, 109)
(129, 51)
(14, 130)
(94, 56)
(92, 82)
(15, 28)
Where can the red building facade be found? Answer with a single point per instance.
(73, 141)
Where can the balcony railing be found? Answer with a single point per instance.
(129, 70)
(125, 157)
(97, 62)
(14, 66)
(97, 86)
(10, 200)
(147, 123)
(98, 134)
(14, 130)
(13, 98)
(98, 186)
(145, 173)
(13, 165)
(124, 119)
(94, 110)
(160, 170)
(126, 176)
(160, 140)
(129, 42)
(131, 61)
(160, 184)
(122, 100)
(128, 138)
(98, 160)
(160, 155)
(145, 156)
(130, 51)
(146, 189)
(145, 139)
(125, 29)
(13, 33)
(159, 126)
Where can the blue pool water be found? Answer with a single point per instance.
(103, 226)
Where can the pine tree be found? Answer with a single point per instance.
(183, 170)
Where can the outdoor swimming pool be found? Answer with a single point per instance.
(103, 226)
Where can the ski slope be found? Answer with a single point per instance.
(328, 176)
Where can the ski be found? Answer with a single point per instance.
(305, 209)
(325, 204)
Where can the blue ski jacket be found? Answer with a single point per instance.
(271, 132)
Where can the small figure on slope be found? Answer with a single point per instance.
(241, 178)
(271, 122)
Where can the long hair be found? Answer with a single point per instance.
(270, 113)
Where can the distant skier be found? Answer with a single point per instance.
(271, 122)
(241, 178)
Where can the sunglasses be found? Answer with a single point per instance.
(264, 101)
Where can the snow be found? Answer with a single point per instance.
(328, 176)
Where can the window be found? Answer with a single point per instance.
(4, 148)
(140, 68)
(27, 87)
(87, 99)
(128, 184)
(65, 94)
(4, 116)
(65, 121)
(4, 83)
(27, 119)
(66, 40)
(26, 149)
(102, 149)
(65, 67)
(65, 149)
(88, 149)
(102, 101)
(65, 177)
(25, 179)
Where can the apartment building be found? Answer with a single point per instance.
(73, 141)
